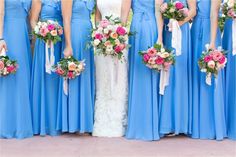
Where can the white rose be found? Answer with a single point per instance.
(100, 29)
(165, 55)
(231, 4)
(96, 42)
(109, 27)
(109, 49)
(163, 50)
(80, 67)
(106, 31)
(36, 29)
(203, 70)
(211, 64)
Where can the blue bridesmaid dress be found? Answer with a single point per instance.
(143, 82)
(208, 120)
(75, 110)
(176, 103)
(15, 112)
(230, 81)
(44, 86)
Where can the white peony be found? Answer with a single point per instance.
(36, 29)
(96, 42)
(106, 31)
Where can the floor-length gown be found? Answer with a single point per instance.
(15, 113)
(75, 110)
(111, 85)
(44, 86)
(175, 104)
(208, 120)
(143, 118)
(230, 80)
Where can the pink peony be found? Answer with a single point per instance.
(59, 71)
(159, 60)
(122, 46)
(104, 23)
(11, 68)
(121, 31)
(51, 27)
(118, 49)
(179, 5)
(146, 57)
(231, 13)
(98, 36)
(222, 60)
(217, 55)
(44, 31)
(2, 66)
(207, 58)
(152, 52)
(70, 75)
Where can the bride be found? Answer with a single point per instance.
(111, 80)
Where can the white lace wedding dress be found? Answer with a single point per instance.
(111, 85)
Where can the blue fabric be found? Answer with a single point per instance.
(15, 113)
(44, 86)
(208, 120)
(75, 112)
(230, 81)
(176, 103)
(143, 82)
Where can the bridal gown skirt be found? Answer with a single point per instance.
(208, 101)
(143, 116)
(230, 81)
(15, 113)
(176, 103)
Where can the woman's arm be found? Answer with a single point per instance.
(35, 11)
(215, 6)
(159, 20)
(192, 11)
(2, 42)
(125, 9)
(66, 14)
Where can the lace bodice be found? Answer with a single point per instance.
(109, 7)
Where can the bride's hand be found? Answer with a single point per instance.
(68, 52)
(3, 45)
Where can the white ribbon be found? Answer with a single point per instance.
(65, 86)
(3, 53)
(208, 79)
(49, 61)
(164, 80)
(176, 36)
(234, 36)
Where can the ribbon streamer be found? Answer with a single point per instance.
(3, 53)
(208, 79)
(176, 36)
(164, 81)
(234, 36)
(49, 61)
(65, 86)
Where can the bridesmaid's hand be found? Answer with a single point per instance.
(181, 23)
(160, 41)
(212, 46)
(68, 52)
(3, 45)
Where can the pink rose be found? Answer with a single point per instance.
(231, 13)
(11, 68)
(59, 71)
(159, 60)
(51, 27)
(104, 23)
(217, 55)
(146, 57)
(122, 46)
(44, 31)
(70, 75)
(179, 5)
(207, 58)
(2, 66)
(163, 8)
(118, 49)
(121, 31)
(222, 60)
(98, 36)
(60, 31)
(152, 52)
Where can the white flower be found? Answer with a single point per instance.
(163, 50)
(96, 42)
(36, 29)
(109, 49)
(106, 31)
(203, 70)
(231, 3)
(165, 55)
(80, 67)
(211, 64)
(109, 27)
(100, 29)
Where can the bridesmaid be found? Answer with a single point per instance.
(230, 79)
(143, 82)
(175, 104)
(44, 86)
(15, 113)
(208, 101)
(75, 112)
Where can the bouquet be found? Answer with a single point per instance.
(174, 10)
(211, 62)
(7, 66)
(110, 38)
(159, 59)
(69, 68)
(229, 9)
(50, 32)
